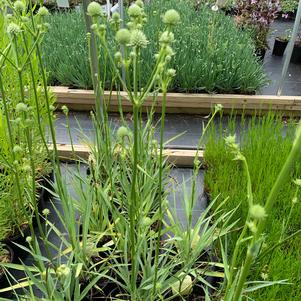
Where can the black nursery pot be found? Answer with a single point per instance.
(19, 237)
(3, 280)
(279, 47)
(296, 55)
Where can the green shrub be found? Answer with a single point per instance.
(265, 142)
(212, 54)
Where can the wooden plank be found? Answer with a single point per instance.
(77, 99)
(178, 157)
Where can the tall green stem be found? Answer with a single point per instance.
(133, 203)
(160, 186)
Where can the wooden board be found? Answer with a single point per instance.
(76, 99)
(178, 157)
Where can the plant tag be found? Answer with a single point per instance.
(63, 3)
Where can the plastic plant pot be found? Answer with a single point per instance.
(279, 46)
(296, 55)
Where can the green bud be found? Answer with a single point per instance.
(13, 29)
(17, 149)
(63, 270)
(167, 38)
(139, 3)
(65, 110)
(134, 11)
(171, 72)
(43, 11)
(21, 107)
(257, 212)
(171, 17)
(138, 39)
(94, 9)
(123, 36)
(29, 239)
(46, 212)
(19, 6)
(122, 132)
(116, 17)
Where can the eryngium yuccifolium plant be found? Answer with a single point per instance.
(212, 54)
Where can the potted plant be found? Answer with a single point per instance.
(281, 43)
(256, 17)
(24, 117)
(288, 9)
(6, 256)
(296, 54)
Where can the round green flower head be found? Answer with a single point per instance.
(171, 72)
(63, 270)
(43, 11)
(21, 107)
(94, 9)
(171, 17)
(138, 39)
(167, 37)
(13, 29)
(19, 6)
(139, 3)
(123, 36)
(122, 132)
(118, 56)
(65, 110)
(134, 11)
(116, 17)
(17, 149)
(257, 212)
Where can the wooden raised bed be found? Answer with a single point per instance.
(178, 157)
(83, 100)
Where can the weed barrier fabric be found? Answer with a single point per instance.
(178, 176)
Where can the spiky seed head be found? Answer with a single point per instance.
(218, 107)
(19, 6)
(135, 11)
(167, 38)
(13, 29)
(139, 3)
(118, 56)
(138, 39)
(63, 270)
(257, 212)
(17, 149)
(122, 132)
(171, 17)
(171, 72)
(116, 17)
(21, 107)
(43, 11)
(94, 9)
(123, 36)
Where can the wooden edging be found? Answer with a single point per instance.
(83, 100)
(178, 157)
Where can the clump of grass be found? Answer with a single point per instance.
(212, 54)
(265, 143)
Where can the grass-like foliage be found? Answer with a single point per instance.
(265, 142)
(212, 54)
